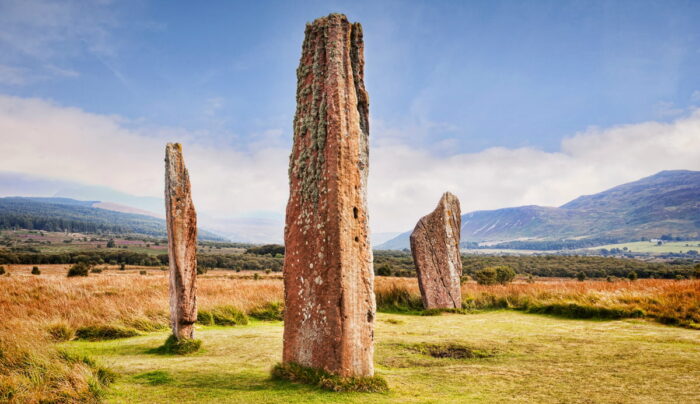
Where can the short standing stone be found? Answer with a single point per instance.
(435, 248)
(328, 276)
(182, 243)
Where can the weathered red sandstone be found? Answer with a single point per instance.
(182, 243)
(328, 276)
(435, 248)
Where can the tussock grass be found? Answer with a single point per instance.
(104, 332)
(316, 377)
(222, 315)
(173, 346)
(271, 311)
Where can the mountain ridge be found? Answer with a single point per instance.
(664, 203)
(66, 214)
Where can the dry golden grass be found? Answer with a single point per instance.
(667, 301)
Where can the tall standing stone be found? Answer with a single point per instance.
(328, 276)
(182, 243)
(435, 248)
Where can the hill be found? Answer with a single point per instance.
(667, 203)
(65, 214)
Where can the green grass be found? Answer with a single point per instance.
(518, 358)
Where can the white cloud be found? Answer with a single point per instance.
(44, 139)
(406, 183)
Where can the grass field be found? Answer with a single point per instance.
(528, 357)
(533, 358)
(654, 248)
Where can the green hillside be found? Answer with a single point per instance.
(63, 214)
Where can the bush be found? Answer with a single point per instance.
(36, 271)
(492, 275)
(122, 267)
(79, 269)
(96, 270)
(327, 381)
(581, 276)
(384, 270)
(104, 332)
(142, 272)
(2, 270)
(632, 276)
(174, 346)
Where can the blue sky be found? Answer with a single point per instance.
(450, 82)
(479, 74)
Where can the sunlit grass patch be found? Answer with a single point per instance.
(154, 378)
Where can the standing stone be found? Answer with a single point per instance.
(182, 243)
(435, 248)
(328, 275)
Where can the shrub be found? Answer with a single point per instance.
(256, 276)
(36, 271)
(104, 332)
(632, 276)
(96, 270)
(174, 346)
(384, 270)
(122, 266)
(327, 381)
(2, 270)
(78, 269)
(492, 275)
(142, 272)
(581, 276)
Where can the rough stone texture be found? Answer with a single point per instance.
(182, 243)
(435, 248)
(328, 275)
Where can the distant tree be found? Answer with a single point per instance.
(2, 270)
(696, 271)
(492, 275)
(632, 276)
(36, 271)
(581, 276)
(384, 270)
(122, 266)
(504, 274)
(110, 243)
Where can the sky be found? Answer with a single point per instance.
(503, 103)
